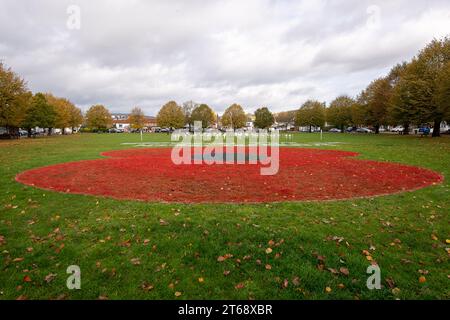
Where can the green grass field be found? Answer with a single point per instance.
(125, 253)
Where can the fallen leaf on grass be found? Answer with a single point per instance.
(136, 261)
(18, 259)
(269, 250)
(27, 278)
(328, 290)
(49, 278)
(226, 272)
(146, 286)
(240, 285)
(163, 222)
(178, 293)
(268, 267)
(201, 280)
(344, 271)
(422, 279)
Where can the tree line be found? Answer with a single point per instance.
(416, 92)
(20, 108)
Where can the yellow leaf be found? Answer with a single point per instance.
(328, 289)
(433, 236)
(269, 250)
(201, 280)
(177, 294)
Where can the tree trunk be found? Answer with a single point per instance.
(377, 129)
(406, 128)
(49, 133)
(437, 128)
(310, 129)
(29, 132)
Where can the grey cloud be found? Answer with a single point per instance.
(274, 53)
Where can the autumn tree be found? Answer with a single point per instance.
(171, 116)
(285, 116)
(98, 117)
(40, 114)
(15, 99)
(76, 118)
(442, 94)
(311, 113)
(204, 114)
(375, 99)
(234, 117)
(263, 118)
(137, 118)
(339, 113)
(431, 68)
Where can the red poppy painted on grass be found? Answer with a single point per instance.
(304, 174)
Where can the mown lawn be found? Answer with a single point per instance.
(125, 252)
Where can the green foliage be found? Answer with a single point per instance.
(40, 114)
(234, 117)
(339, 113)
(375, 100)
(98, 117)
(204, 114)
(171, 116)
(263, 118)
(312, 113)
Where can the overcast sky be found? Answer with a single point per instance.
(255, 53)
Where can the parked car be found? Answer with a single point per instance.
(350, 129)
(397, 129)
(364, 130)
(335, 130)
(23, 133)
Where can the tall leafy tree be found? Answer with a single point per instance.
(285, 116)
(171, 116)
(311, 114)
(76, 118)
(234, 117)
(442, 95)
(98, 117)
(63, 109)
(339, 113)
(204, 114)
(15, 99)
(376, 99)
(40, 114)
(430, 65)
(137, 118)
(263, 118)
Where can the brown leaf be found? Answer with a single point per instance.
(268, 267)
(221, 258)
(178, 293)
(49, 278)
(136, 261)
(18, 259)
(103, 297)
(163, 222)
(27, 278)
(240, 285)
(390, 282)
(285, 283)
(226, 272)
(146, 286)
(344, 271)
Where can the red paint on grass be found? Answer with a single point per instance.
(304, 174)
